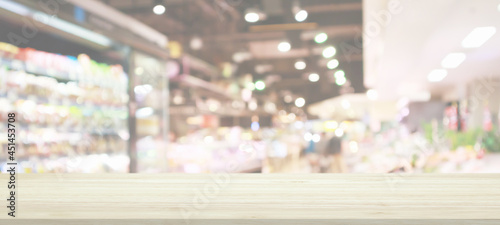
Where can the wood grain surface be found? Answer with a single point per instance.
(255, 199)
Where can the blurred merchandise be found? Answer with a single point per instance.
(65, 107)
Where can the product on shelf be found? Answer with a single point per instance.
(67, 109)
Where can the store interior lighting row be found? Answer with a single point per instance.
(475, 39)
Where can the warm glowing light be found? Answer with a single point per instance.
(213, 105)
(270, 107)
(159, 9)
(301, 15)
(250, 86)
(260, 85)
(331, 125)
(300, 65)
(320, 38)
(284, 46)
(252, 17)
(340, 81)
(300, 102)
(139, 71)
(313, 77)
(332, 64)
(178, 99)
(339, 74)
(329, 52)
(252, 105)
(196, 43)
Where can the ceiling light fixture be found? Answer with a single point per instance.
(159, 9)
(260, 85)
(437, 75)
(320, 38)
(339, 74)
(332, 64)
(453, 60)
(252, 17)
(284, 46)
(300, 65)
(301, 15)
(329, 52)
(478, 37)
(313, 77)
(340, 81)
(300, 102)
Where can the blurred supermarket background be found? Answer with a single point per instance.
(254, 86)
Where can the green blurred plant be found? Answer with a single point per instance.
(462, 139)
(491, 140)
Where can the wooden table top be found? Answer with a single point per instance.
(255, 198)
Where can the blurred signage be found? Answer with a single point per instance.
(210, 121)
(175, 49)
(79, 14)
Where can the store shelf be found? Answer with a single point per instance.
(205, 85)
(64, 107)
(36, 70)
(248, 198)
(202, 66)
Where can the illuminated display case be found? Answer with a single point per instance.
(149, 113)
(72, 86)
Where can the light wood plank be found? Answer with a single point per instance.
(250, 198)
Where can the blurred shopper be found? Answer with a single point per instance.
(333, 152)
(312, 157)
(320, 150)
(310, 148)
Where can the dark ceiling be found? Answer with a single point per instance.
(222, 27)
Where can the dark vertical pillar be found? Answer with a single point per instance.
(132, 146)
